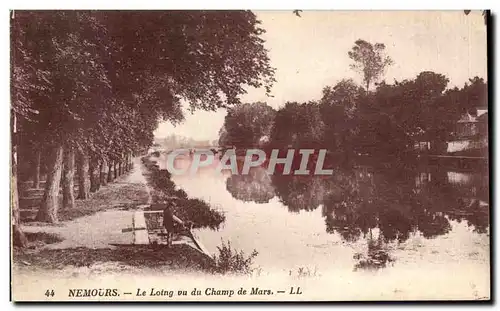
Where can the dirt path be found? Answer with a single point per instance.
(80, 248)
(113, 205)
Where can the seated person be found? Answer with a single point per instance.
(171, 223)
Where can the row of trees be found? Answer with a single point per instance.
(350, 119)
(92, 85)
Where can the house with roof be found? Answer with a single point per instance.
(471, 132)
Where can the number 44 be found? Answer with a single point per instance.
(49, 293)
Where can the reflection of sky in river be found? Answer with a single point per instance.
(427, 222)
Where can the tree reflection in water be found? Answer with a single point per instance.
(302, 192)
(377, 256)
(254, 187)
(397, 204)
(383, 207)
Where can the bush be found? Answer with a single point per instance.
(200, 213)
(193, 210)
(162, 181)
(39, 239)
(232, 261)
(46, 238)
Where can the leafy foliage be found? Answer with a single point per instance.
(297, 125)
(196, 211)
(385, 123)
(339, 110)
(101, 80)
(230, 260)
(370, 60)
(247, 124)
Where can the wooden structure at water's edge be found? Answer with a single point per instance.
(141, 233)
(458, 162)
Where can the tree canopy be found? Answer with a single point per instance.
(98, 82)
(369, 60)
(247, 124)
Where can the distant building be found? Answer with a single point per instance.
(470, 132)
(155, 148)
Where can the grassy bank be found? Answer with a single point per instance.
(164, 193)
(126, 195)
(181, 257)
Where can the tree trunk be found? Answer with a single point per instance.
(50, 200)
(98, 173)
(110, 173)
(115, 170)
(103, 173)
(36, 169)
(83, 176)
(92, 170)
(120, 168)
(124, 165)
(94, 175)
(18, 237)
(69, 178)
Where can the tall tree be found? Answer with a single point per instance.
(396, 116)
(474, 96)
(247, 124)
(370, 60)
(339, 108)
(128, 71)
(18, 237)
(61, 45)
(298, 125)
(49, 206)
(68, 178)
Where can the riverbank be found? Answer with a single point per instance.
(84, 236)
(126, 191)
(198, 214)
(164, 192)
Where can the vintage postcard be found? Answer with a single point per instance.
(230, 156)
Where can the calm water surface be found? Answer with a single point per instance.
(364, 220)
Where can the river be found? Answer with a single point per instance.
(428, 225)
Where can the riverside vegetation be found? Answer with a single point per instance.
(36, 254)
(90, 87)
(200, 214)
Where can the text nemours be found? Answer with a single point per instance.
(161, 292)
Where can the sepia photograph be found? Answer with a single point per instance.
(241, 156)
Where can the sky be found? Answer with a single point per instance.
(310, 52)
